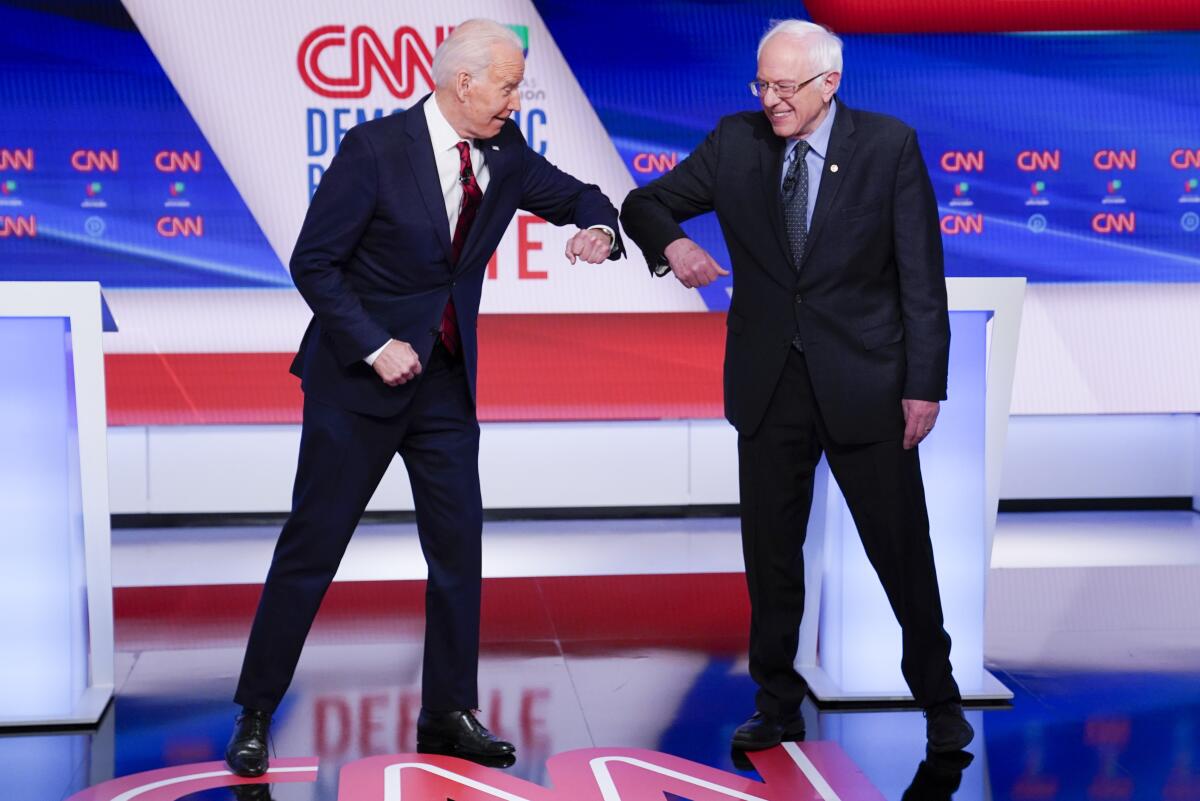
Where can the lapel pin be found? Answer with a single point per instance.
(495, 147)
(833, 168)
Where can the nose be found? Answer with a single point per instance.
(514, 100)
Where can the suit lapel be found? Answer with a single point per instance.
(771, 151)
(420, 159)
(838, 155)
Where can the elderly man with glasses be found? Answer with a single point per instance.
(838, 342)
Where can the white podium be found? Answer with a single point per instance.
(850, 642)
(56, 619)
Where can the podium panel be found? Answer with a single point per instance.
(55, 585)
(850, 642)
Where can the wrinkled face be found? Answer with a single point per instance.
(785, 59)
(491, 97)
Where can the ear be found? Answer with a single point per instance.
(462, 86)
(832, 81)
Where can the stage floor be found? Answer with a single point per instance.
(653, 660)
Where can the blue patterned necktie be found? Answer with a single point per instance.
(795, 202)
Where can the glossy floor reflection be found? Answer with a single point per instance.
(652, 662)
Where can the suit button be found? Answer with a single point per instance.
(453, 284)
(797, 343)
(433, 332)
(798, 298)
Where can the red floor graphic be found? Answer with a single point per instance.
(815, 771)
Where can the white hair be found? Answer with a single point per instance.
(823, 46)
(468, 49)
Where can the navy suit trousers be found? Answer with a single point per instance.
(343, 456)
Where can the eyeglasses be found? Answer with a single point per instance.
(783, 89)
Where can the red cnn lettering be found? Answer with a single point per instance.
(493, 268)
(367, 57)
(177, 161)
(1181, 159)
(16, 160)
(96, 160)
(171, 227)
(19, 227)
(655, 162)
(1039, 161)
(525, 245)
(955, 224)
(789, 773)
(962, 161)
(1115, 160)
(1109, 223)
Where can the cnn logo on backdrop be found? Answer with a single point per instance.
(339, 64)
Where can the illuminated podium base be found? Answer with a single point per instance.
(850, 642)
(56, 620)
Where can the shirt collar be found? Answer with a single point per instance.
(819, 139)
(441, 134)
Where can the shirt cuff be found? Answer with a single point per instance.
(370, 360)
(611, 235)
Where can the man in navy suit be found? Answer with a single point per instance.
(838, 344)
(391, 259)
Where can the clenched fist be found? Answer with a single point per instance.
(397, 364)
(691, 264)
(591, 245)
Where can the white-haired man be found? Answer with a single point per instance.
(391, 259)
(838, 341)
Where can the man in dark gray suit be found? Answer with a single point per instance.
(838, 341)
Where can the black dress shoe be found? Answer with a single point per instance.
(762, 731)
(457, 733)
(946, 729)
(246, 753)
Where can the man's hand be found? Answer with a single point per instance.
(397, 363)
(691, 264)
(919, 418)
(591, 245)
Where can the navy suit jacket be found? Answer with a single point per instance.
(374, 259)
(869, 299)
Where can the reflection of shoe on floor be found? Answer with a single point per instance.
(458, 734)
(740, 761)
(246, 753)
(946, 729)
(763, 731)
(252, 792)
(938, 777)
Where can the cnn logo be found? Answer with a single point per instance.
(1108, 223)
(362, 57)
(172, 227)
(963, 161)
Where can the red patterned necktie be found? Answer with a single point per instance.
(472, 196)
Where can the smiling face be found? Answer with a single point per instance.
(786, 59)
(489, 99)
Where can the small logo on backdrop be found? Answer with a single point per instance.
(961, 200)
(1037, 194)
(1113, 194)
(93, 200)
